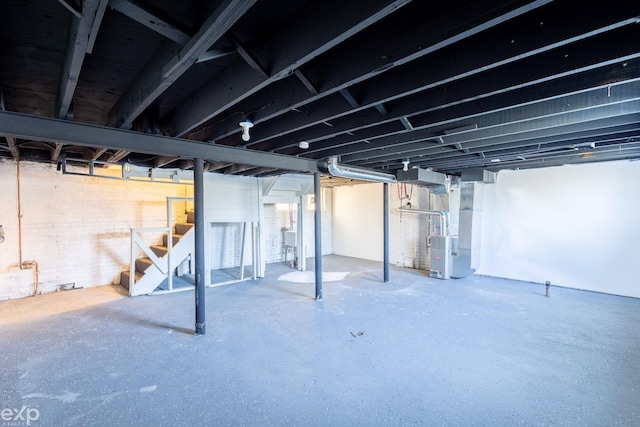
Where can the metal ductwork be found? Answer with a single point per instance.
(436, 182)
(467, 258)
(343, 171)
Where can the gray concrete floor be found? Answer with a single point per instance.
(415, 351)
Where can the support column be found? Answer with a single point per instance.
(318, 237)
(385, 216)
(302, 253)
(198, 206)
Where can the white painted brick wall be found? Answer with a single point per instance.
(76, 228)
(275, 220)
(358, 224)
(405, 239)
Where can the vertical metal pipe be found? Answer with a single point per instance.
(302, 251)
(318, 236)
(385, 220)
(547, 285)
(242, 245)
(169, 243)
(198, 206)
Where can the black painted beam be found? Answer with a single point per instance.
(53, 130)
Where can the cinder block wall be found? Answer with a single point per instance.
(76, 228)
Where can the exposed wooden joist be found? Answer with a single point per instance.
(79, 35)
(490, 111)
(220, 21)
(99, 152)
(53, 130)
(349, 97)
(55, 152)
(468, 20)
(11, 142)
(562, 135)
(213, 54)
(82, 31)
(381, 109)
(406, 123)
(216, 166)
(558, 157)
(171, 62)
(304, 39)
(237, 168)
(573, 141)
(423, 104)
(15, 151)
(247, 56)
(305, 81)
(77, 12)
(258, 171)
(118, 155)
(151, 19)
(160, 161)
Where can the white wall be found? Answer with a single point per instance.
(229, 201)
(358, 221)
(276, 217)
(326, 224)
(76, 228)
(576, 226)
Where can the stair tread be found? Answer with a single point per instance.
(143, 263)
(126, 273)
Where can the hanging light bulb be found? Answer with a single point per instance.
(246, 125)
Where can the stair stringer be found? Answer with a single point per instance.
(153, 277)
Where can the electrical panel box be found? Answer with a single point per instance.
(440, 265)
(290, 239)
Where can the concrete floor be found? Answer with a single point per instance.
(415, 351)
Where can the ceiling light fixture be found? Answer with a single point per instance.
(304, 145)
(246, 125)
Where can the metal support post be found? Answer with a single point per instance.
(198, 205)
(318, 237)
(385, 217)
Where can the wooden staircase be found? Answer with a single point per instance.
(151, 269)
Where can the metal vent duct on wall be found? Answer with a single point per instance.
(436, 182)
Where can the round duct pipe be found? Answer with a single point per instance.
(354, 172)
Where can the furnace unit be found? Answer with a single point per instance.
(440, 260)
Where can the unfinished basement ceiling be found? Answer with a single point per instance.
(447, 85)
